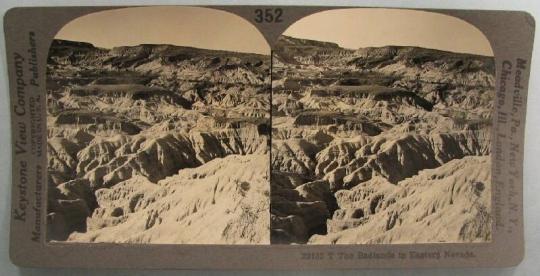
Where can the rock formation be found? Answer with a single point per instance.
(157, 144)
(379, 145)
(171, 144)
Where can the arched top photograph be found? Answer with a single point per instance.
(157, 121)
(389, 114)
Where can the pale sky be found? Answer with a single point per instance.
(183, 26)
(357, 28)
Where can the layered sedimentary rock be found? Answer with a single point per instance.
(379, 145)
(169, 144)
(132, 125)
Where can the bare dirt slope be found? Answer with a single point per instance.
(379, 145)
(130, 126)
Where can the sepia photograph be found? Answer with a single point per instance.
(381, 129)
(268, 137)
(158, 128)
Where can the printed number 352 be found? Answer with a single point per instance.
(268, 15)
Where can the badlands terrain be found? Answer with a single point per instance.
(379, 145)
(170, 144)
(157, 144)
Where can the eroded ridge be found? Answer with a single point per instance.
(379, 145)
(157, 144)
